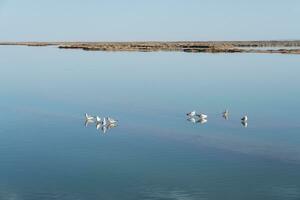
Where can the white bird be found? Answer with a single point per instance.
(111, 120)
(98, 119)
(225, 114)
(192, 119)
(202, 116)
(245, 118)
(111, 126)
(89, 117)
(191, 114)
(104, 122)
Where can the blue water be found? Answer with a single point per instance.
(154, 153)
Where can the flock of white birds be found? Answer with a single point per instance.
(102, 124)
(107, 123)
(201, 118)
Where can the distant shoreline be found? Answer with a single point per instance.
(183, 46)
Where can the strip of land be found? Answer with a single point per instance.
(283, 47)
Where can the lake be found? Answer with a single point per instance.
(48, 152)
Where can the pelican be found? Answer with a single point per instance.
(111, 120)
(89, 117)
(191, 114)
(202, 121)
(192, 119)
(202, 116)
(245, 118)
(225, 114)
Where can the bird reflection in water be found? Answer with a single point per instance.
(105, 128)
(202, 121)
(87, 122)
(192, 120)
(199, 121)
(245, 124)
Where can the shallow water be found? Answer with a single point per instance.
(154, 153)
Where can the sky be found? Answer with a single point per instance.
(150, 20)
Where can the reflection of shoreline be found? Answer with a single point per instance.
(284, 47)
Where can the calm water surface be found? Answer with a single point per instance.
(154, 153)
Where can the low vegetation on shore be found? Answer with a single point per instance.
(186, 46)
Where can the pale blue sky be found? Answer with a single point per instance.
(116, 20)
